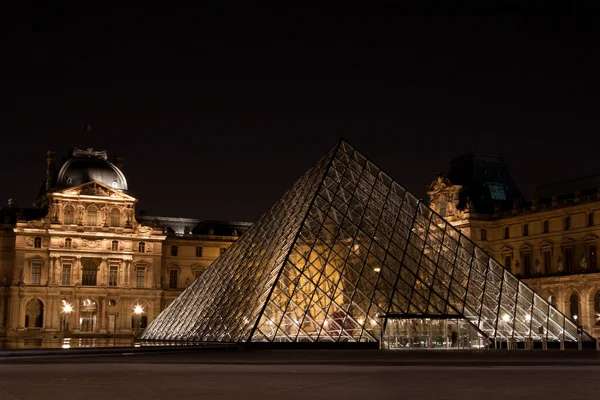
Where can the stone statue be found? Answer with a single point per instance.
(559, 264)
(583, 263)
(537, 266)
(517, 267)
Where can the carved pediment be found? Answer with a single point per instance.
(506, 249)
(95, 188)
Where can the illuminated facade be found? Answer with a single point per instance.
(81, 263)
(348, 255)
(550, 242)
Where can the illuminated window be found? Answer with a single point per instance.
(113, 275)
(68, 243)
(141, 247)
(66, 274)
(69, 215)
(173, 274)
(497, 192)
(36, 273)
(37, 242)
(198, 251)
(174, 250)
(115, 217)
(92, 216)
(115, 245)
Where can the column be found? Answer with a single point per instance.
(77, 271)
(76, 326)
(49, 312)
(104, 272)
(103, 314)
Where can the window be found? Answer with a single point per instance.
(142, 247)
(113, 275)
(68, 243)
(173, 279)
(69, 214)
(546, 226)
(497, 192)
(115, 245)
(89, 274)
(173, 250)
(568, 253)
(506, 232)
(483, 235)
(525, 229)
(567, 222)
(507, 262)
(92, 216)
(593, 256)
(36, 273)
(140, 276)
(37, 242)
(66, 274)
(552, 300)
(547, 261)
(574, 306)
(198, 251)
(223, 250)
(112, 302)
(597, 308)
(443, 206)
(527, 264)
(115, 217)
(591, 219)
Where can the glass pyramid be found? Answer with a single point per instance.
(342, 252)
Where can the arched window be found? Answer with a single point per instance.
(597, 308)
(69, 214)
(115, 217)
(574, 306)
(443, 205)
(37, 242)
(552, 300)
(34, 314)
(92, 216)
(142, 247)
(68, 243)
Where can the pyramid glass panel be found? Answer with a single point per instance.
(348, 255)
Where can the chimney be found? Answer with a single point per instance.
(50, 168)
(119, 162)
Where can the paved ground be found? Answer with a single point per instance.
(325, 374)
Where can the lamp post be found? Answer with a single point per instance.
(137, 311)
(66, 309)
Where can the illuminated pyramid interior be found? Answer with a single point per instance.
(348, 255)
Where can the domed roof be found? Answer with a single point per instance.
(87, 165)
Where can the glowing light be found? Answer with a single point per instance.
(361, 321)
(506, 318)
(138, 309)
(527, 317)
(66, 307)
(575, 317)
(376, 269)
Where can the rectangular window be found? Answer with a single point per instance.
(141, 247)
(174, 250)
(547, 262)
(140, 277)
(507, 262)
(546, 227)
(173, 279)
(525, 229)
(527, 264)
(66, 274)
(497, 192)
(483, 235)
(115, 245)
(113, 275)
(68, 243)
(89, 275)
(593, 256)
(568, 253)
(36, 273)
(198, 251)
(567, 223)
(507, 232)
(37, 242)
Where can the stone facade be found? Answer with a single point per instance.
(549, 242)
(82, 264)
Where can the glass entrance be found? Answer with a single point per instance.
(427, 333)
(88, 315)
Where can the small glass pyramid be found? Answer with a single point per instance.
(345, 251)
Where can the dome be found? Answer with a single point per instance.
(88, 165)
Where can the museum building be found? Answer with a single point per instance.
(80, 263)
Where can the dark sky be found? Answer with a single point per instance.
(218, 110)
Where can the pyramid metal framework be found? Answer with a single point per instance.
(342, 251)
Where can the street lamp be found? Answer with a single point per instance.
(137, 311)
(66, 309)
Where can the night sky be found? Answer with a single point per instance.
(218, 110)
